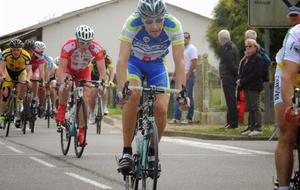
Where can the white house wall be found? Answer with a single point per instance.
(107, 22)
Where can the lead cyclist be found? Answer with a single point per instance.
(145, 39)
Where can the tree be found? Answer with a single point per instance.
(233, 16)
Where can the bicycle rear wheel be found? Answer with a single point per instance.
(150, 173)
(79, 147)
(48, 111)
(65, 138)
(99, 115)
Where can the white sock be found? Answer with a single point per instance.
(284, 188)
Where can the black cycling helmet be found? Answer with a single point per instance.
(151, 8)
(29, 44)
(16, 43)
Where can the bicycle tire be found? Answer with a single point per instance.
(79, 148)
(146, 181)
(48, 112)
(6, 126)
(32, 124)
(10, 115)
(99, 115)
(65, 138)
(24, 116)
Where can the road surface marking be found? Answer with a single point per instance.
(102, 186)
(2, 142)
(15, 150)
(42, 162)
(222, 148)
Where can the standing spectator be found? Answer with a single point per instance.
(250, 80)
(228, 69)
(190, 63)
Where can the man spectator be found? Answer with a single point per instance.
(228, 70)
(190, 63)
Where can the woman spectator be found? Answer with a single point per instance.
(250, 79)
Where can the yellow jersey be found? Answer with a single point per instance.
(16, 64)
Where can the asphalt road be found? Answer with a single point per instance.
(34, 161)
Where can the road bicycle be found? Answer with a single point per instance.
(29, 115)
(145, 134)
(12, 106)
(76, 114)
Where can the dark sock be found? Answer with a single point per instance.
(127, 150)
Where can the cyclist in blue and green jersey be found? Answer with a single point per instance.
(145, 39)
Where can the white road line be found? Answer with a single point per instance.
(102, 186)
(222, 148)
(2, 143)
(15, 150)
(42, 162)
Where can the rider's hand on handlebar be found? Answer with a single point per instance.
(183, 100)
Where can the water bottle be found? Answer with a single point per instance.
(139, 140)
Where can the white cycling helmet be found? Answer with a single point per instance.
(84, 33)
(57, 60)
(152, 8)
(40, 46)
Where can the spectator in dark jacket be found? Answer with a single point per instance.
(228, 69)
(250, 80)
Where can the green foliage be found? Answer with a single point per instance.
(233, 16)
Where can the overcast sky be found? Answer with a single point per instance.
(16, 15)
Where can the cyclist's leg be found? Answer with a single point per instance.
(129, 116)
(35, 85)
(287, 137)
(284, 150)
(53, 93)
(5, 95)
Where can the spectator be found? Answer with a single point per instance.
(190, 63)
(250, 80)
(228, 69)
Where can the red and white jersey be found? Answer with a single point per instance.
(78, 60)
(37, 58)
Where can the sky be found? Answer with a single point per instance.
(16, 15)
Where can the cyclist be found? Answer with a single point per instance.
(93, 93)
(50, 75)
(35, 49)
(285, 78)
(145, 39)
(15, 65)
(74, 59)
(50, 71)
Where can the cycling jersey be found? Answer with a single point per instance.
(148, 53)
(290, 51)
(147, 48)
(16, 64)
(78, 60)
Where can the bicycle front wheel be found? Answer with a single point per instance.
(99, 115)
(65, 138)
(151, 171)
(81, 118)
(10, 115)
(48, 111)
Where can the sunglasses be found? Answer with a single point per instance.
(250, 46)
(84, 43)
(151, 21)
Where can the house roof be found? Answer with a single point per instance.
(22, 32)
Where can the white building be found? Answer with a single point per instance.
(107, 19)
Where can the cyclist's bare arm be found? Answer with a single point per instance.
(289, 73)
(101, 69)
(125, 49)
(2, 68)
(179, 65)
(29, 72)
(62, 70)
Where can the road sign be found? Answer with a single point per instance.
(268, 13)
